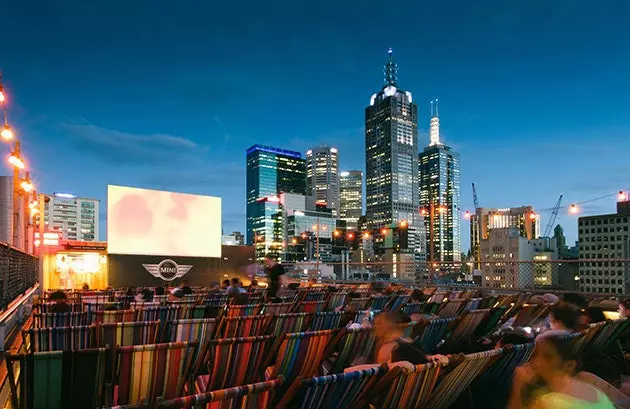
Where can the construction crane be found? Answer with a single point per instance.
(552, 220)
(475, 201)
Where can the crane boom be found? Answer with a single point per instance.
(552, 220)
(475, 201)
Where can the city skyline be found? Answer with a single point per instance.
(109, 107)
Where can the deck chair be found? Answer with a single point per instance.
(277, 308)
(329, 392)
(138, 305)
(57, 379)
(462, 334)
(311, 306)
(314, 296)
(379, 302)
(460, 378)
(358, 304)
(432, 332)
(92, 307)
(102, 317)
(325, 320)
(288, 323)
(473, 304)
(200, 330)
(299, 354)
(396, 303)
(162, 314)
(151, 371)
(46, 307)
(117, 334)
(529, 314)
(59, 319)
(253, 396)
(248, 326)
(490, 322)
(336, 300)
(451, 308)
(216, 300)
(346, 346)
(413, 308)
(243, 310)
(233, 362)
(59, 338)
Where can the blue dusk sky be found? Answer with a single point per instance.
(535, 95)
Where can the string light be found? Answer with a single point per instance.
(466, 215)
(6, 133)
(622, 196)
(573, 209)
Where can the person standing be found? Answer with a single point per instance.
(276, 275)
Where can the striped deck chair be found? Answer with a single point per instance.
(118, 334)
(252, 396)
(233, 362)
(336, 300)
(466, 327)
(143, 405)
(451, 308)
(404, 387)
(357, 304)
(92, 307)
(58, 379)
(196, 311)
(348, 345)
(102, 317)
(408, 328)
(432, 332)
(198, 330)
(498, 377)
(185, 305)
(413, 308)
(311, 306)
(287, 295)
(529, 314)
(460, 378)
(243, 310)
(287, 323)
(397, 302)
(277, 308)
(254, 298)
(490, 322)
(379, 302)
(47, 307)
(59, 338)
(139, 305)
(248, 326)
(299, 354)
(329, 392)
(59, 319)
(163, 314)
(325, 320)
(439, 296)
(473, 304)
(151, 371)
(314, 296)
(608, 335)
(161, 299)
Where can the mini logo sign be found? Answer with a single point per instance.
(167, 270)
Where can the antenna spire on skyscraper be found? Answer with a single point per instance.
(391, 69)
(434, 131)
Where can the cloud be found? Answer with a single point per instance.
(214, 175)
(124, 148)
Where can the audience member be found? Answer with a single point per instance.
(176, 294)
(225, 285)
(235, 288)
(624, 309)
(563, 319)
(159, 290)
(85, 286)
(418, 296)
(146, 295)
(595, 315)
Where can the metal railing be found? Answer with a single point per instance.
(18, 273)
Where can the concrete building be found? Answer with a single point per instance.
(234, 239)
(602, 239)
(77, 218)
(6, 209)
(500, 256)
(270, 172)
(545, 264)
(391, 153)
(524, 219)
(351, 197)
(439, 196)
(322, 177)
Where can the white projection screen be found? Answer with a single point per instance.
(158, 223)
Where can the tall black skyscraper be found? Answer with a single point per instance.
(391, 153)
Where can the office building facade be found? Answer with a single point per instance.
(75, 217)
(439, 196)
(322, 177)
(602, 239)
(502, 256)
(270, 172)
(351, 197)
(391, 153)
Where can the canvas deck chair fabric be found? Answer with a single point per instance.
(498, 377)
(413, 308)
(288, 323)
(59, 319)
(379, 302)
(313, 296)
(243, 310)
(299, 354)
(432, 332)
(460, 378)
(46, 307)
(195, 311)
(233, 362)
(247, 326)
(216, 300)
(490, 322)
(311, 306)
(58, 379)
(473, 304)
(358, 304)
(407, 387)
(277, 308)
(253, 396)
(608, 335)
(200, 330)
(329, 392)
(397, 302)
(138, 305)
(102, 317)
(408, 329)
(151, 371)
(92, 307)
(117, 334)
(346, 346)
(336, 300)
(529, 314)
(325, 320)
(162, 314)
(59, 338)
(451, 308)
(466, 327)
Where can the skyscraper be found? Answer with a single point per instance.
(439, 195)
(351, 197)
(391, 158)
(270, 171)
(322, 177)
(77, 218)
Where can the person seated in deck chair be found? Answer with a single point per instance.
(60, 300)
(563, 320)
